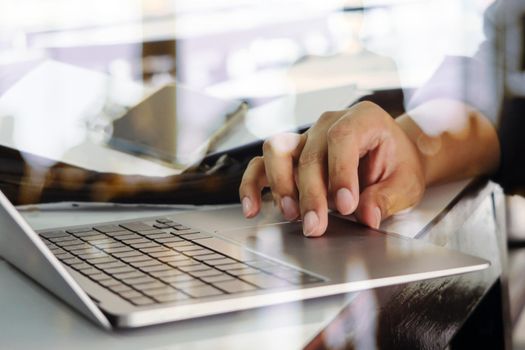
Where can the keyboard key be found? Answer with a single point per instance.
(234, 286)
(183, 263)
(50, 245)
(116, 270)
(93, 254)
(137, 226)
(138, 280)
(160, 291)
(265, 281)
(202, 292)
(155, 250)
(136, 241)
(120, 288)
(129, 236)
(127, 254)
(159, 235)
(96, 237)
(107, 228)
(117, 234)
(180, 227)
(205, 273)
(81, 235)
(171, 239)
(187, 248)
(156, 268)
(217, 278)
(162, 226)
(198, 252)
(130, 294)
(99, 243)
(79, 230)
(137, 258)
(176, 279)
(90, 271)
(174, 257)
(109, 282)
(102, 260)
(141, 301)
(64, 256)
(223, 261)
(114, 250)
(164, 254)
(57, 251)
(110, 265)
(57, 240)
(231, 266)
(167, 273)
(244, 271)
(71, 243)
(72, 261)
(144, 245)
(192, 268)
(109, 245)
(76, 247)
(164, 221)
(189, 284)
(166, 298)
(53, 234)
(84, 248)
(209, 257)
(128, 275)
(82, 266)
(195, 236)
(100, 277)
(140, 264)
(149, 285)
(180, 243)
(151, 233)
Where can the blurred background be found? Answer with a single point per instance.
(70, 68)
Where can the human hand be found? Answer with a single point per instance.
(358, 160)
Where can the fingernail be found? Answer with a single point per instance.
(289, 206)
(344, 201)
(310, 223)
(377, 217)
(246, 206)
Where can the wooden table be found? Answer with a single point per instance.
(463, 312)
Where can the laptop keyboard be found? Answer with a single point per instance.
(164, 262)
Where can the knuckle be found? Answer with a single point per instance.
(255, 161)
(337, 132)
(326, 117)
(267, 146)
(280, 183)
(310, 158)
(385, 202)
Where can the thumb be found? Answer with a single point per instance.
(389, 196)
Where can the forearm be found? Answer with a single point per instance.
(459, 145)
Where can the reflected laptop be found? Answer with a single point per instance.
(149, 271)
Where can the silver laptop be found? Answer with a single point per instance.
(192, 264)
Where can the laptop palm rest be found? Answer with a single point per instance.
(351, 253)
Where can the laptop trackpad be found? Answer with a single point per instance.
(348, 251)
(344, 245)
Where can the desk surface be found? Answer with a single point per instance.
(32, 317)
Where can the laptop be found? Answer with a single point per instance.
(142, 272)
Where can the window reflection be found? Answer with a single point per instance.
(289, 60)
